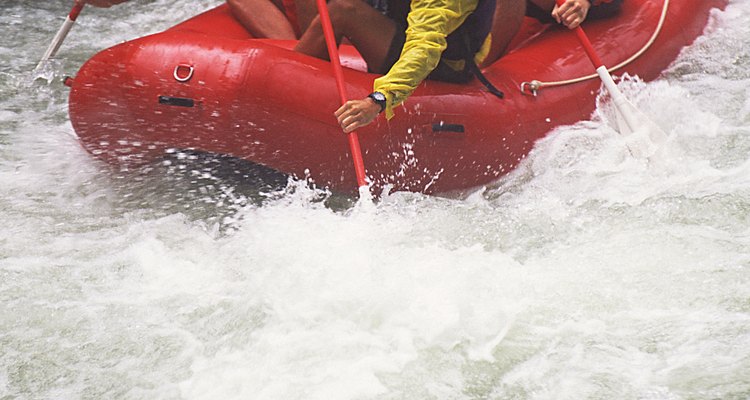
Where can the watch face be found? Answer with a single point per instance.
(378, 96)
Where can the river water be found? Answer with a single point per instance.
(585, 274)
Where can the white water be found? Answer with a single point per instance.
(584, 275)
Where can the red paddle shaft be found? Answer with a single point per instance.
(338, 73)
(632, 117)
(75, 11)
(586, 43)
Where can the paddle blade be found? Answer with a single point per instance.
(647, 136)
(642, 136)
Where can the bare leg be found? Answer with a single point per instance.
(307, 10)
(508, 19)
(369, 31)
(262, 18)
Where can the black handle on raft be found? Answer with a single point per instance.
(176, 101)
(441, 127)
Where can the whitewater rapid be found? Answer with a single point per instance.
(585, 274)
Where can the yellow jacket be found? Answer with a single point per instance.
(429, 23)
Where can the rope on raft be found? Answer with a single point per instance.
(534, 86)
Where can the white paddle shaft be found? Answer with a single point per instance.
(58, 40)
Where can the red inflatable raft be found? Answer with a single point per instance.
(206, 85)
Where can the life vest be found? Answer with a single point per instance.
(446, 40)
(476, 26)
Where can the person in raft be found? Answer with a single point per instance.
(405, 42)
(409, 41)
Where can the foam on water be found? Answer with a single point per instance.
(586, 273)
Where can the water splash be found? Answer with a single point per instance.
(585, 273)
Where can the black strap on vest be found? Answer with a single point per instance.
(472, 66)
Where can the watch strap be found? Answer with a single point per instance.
(379, 99)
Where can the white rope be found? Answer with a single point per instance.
(536, 85)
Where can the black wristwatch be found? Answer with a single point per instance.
(379, 99)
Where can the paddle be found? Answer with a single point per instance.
(338, 73)
(629, 118)
(61, 34)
